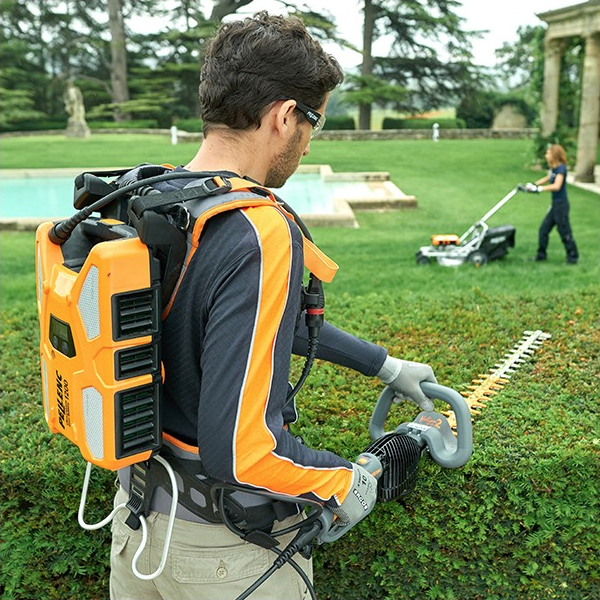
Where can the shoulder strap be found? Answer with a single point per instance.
(238, 197)
(317, 262)
(218, 194)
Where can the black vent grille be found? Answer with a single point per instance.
(141, 360)
(138, 421)
(399, 456)
(135, 314)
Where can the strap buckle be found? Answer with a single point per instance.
(216, 184)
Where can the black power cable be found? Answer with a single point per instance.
(61, 232)
(314, 304)
(308, 529)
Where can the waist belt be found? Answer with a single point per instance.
(200, 495)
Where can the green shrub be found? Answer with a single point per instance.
(132, 124)
(393, 123)
(519, 104)
(339, 123)
(48, 124)
(37, 125)
(565, 136)
(478, 109)
(193, 125)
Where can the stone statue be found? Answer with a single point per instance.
(76, 126)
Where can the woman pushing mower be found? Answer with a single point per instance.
(558, 213)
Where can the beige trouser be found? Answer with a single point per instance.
(205, 562)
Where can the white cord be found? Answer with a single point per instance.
(111, 516)
(170, 524)
(84, 491)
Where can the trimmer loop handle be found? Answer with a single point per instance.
(431, 428)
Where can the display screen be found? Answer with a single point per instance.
(61, 337)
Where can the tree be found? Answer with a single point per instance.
(23, 83)
(223, 8)
(429, 62)
(521, 63)
(118, 50)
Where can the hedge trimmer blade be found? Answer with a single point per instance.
(485, 386)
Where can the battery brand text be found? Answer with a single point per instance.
(62, 400)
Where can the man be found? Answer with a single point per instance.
(234, 323)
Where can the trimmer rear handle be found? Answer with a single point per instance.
(431, 428)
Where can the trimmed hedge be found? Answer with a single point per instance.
(38, 125)
(132, 124)
(339, 123)
(518, 521)
(57, 124)
(393, 123)
(193, 125)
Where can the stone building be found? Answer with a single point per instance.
(581, 20)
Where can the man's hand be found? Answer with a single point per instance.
(404, 377)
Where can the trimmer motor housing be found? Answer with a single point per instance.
(98, 300)
(399, 455)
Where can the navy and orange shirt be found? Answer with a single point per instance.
(227, 343)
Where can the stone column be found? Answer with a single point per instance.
(553, 49)
(589, 115)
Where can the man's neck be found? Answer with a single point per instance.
(223, 153)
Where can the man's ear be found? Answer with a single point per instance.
(283, 117)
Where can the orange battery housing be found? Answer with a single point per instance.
(448, 239)
(98, 300)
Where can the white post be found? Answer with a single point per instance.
(436, 132)
(174, 135)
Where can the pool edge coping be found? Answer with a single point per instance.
(343, 215)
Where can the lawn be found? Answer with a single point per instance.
(518, 521)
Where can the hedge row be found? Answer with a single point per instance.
(52, 124)
(520, 520)
(393, 123)
(195, 125)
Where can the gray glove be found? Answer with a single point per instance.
(358, 504)
(531, 187)
(404, 377)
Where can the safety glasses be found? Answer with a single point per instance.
(316, 119)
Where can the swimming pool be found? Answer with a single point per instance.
(320, 196)
(52, 197)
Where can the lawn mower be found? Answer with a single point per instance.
(478, 245)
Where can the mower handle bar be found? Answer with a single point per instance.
(500, 204)
(451, 453)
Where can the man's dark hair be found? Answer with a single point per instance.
(251, 63)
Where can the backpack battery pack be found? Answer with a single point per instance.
(98, 300)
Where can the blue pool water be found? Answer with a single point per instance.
(52, 197)
(36, 197)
